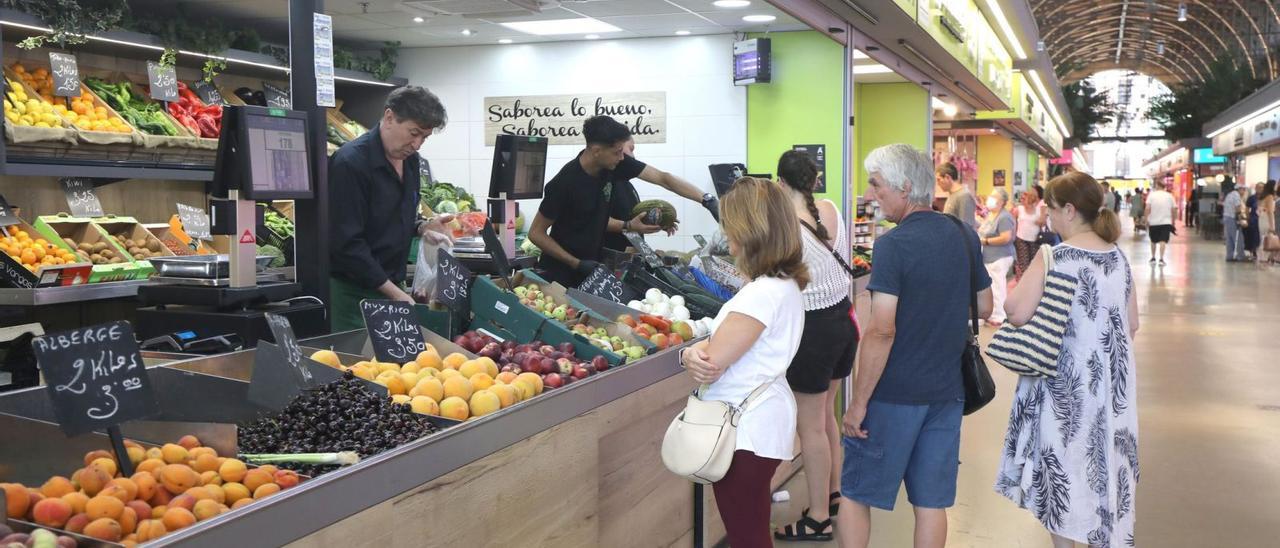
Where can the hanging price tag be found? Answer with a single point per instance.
(288, 343)
(453, 282)
(642, 247)
(393, 330)
(208, 93)
(195, 222)
(494, 247)
(7, 217)
(82, 200)
(603, 284)
(66, 75)
(276, 97)
(95, 377)
(164, 82)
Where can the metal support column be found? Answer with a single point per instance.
(311, 244)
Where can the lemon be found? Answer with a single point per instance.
(50, 119)
(20, 107)
(26, 120)
(42, 124)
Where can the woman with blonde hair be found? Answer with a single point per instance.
(754, 338)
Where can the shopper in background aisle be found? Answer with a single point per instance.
(1109, 198)
(827, 348)
(625, 197)
(1161, 210)
(903, 417)
(996, 233)
(373, 205)
(1267, 218)
(1232, 217)
(1252, 236)
(754, 337)
(1138, 211)
(571, 223)
(1071, 450)
(960, 202)
(1030, 217)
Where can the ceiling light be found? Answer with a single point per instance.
(682, 33)
(857, 54)
(550, 27)
(504, 41)
(467, 32)
(731, 3)
(592, 37)
(1182, 11)
(759, 18)
(1048, 100)
(418, 19)
(1003, 23)
(871, 69)
(1160, 47)
(949, 110)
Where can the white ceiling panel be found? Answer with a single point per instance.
(656, 22)
(618, 8)
(344, 23)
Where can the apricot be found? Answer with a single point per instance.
(146, 485)
(97, 454)
(458, 387)
(189, 442)
(424, 405)
(394, 384)
(206, 509)
(33, 496)
(109, 465)
(454, 360)
(446, 374)
(269, 468)
(155, 453)
(128, 520)
(183, 501)
(400, 398)
(77, 500)
(216, 493)
(410, 367)
(234, 492)
(265, 490)
(128, 485)
(429, 387)
(198, 493)
(484, 402)
(242, 503)
(194, 454)
(103, 506)
(92, 479)
(173, 453)
(210, 478)
(157, 512)
(161, 498)
(140, 508)
(481, 381)
(506, 394)
(232, 470)
(256, 478)
(178, 518)
(490, 366)
(327, 357)
(77, 522)
(136, 455)
(150, 465)
(177, 478)
(150, 529)
(52, 512)
(505, 377)
(286, 478)
(104, 529)
(16, 500)
(455, 408)
(115, 491)
(534, 381)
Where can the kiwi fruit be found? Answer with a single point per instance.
(96, 259)
(116, 260)
(107, 253)
(85, 247)
(100, 247)
(154, 246)
(70, 242)
(138, 257)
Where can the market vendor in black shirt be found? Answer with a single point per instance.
(625, 197)
(571, 223)
(373, 205)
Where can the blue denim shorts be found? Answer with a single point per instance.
(918, 444)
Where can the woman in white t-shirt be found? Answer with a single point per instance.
(1030, 218)
(754, 338)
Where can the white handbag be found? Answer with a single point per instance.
(700, 441)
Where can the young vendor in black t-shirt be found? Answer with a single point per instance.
(571, 223)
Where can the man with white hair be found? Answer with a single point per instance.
(903, 419)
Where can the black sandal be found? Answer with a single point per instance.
(806, 528)
(835, 505)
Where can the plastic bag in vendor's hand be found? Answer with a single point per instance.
(426, 270)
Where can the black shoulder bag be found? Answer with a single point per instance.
(834, 253)
(979, 388)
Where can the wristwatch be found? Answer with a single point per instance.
(626, 225)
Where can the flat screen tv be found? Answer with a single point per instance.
(751, 62)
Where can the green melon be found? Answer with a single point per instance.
(657, 212)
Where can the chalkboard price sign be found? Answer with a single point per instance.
(164, 82)
(276, 97)
(66, 75)
(288, 343)
(7, 217)
(195, 222)
(453, 282)
(208, 93)
(603, 284)
(95, 377)
(393, 330)
(81, 198)
(642, 247)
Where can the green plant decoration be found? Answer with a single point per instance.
(1183, 111)
(70, 20)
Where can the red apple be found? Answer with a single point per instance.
(507, 367)
(552, 380)
(566, 347)
(564, 366)
(532, 362)
(509, 345)
(547, 365)
(462, 340)
(579, 372)
(546, 349)
(601, 364)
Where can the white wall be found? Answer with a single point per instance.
(706, 113)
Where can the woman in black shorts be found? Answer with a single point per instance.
(827, 346)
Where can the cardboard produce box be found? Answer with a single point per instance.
(81, 236)
(16, 274)
(126, 231)
(177, 234)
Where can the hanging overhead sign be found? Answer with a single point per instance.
(559, 118)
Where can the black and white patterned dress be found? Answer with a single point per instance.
(1071, 451)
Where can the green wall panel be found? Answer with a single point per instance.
(886, 114)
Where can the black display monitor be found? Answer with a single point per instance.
(519, 167)
(263, 153)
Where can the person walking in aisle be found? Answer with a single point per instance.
(903, 418)
(1252, 236)
(1267, 218)
(1110, 199)
(996, 233)
(827, 348)
(1232, 207)
(754, 337)
(1161, 210)
(960, 202)
(1071, 449)
(1030, 217)
(1138, 211)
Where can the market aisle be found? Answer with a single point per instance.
(1209, 412)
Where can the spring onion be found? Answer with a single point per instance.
(340, 458)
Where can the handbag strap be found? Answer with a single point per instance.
(973, 276)
(839, 259)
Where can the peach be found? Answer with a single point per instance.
(458, 387)
(235, 491)
(104, 529)
(173, 453)
(136, 455)
(150, 529)
(97, 454)
(56, 487)
(505, 377)
(256, 478)
(206, 509)
(178, 518)
(103, 506)
(52, 512)
(195, 453)
(395, 384)
(445, 374)
(77, 500)
(186, 502)
(242, 503)
(410, 367)
(484, 402)
(429, 358)
(534, 381)
(525, 389)
(286, 478)
(128, 520)
(410, 380)
(232, 470)
(189, 442)
(77, 522)
(470, 367)
(92, 479)
(455, 408)
(454, 360)
(429, 387)
(16, 500)
(177, 478)
(131, 488)
(146, 485)
(327, 357)
(506, 394)
(265, 490)
(216, 493)
(140, 508)
(490, 366)
(210, 478)
(109, 465)
(150, 465)
(481, 381)
(424, 405)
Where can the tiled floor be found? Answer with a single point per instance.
(1209, 393)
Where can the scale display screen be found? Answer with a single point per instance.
(277, 151)
(519, 167)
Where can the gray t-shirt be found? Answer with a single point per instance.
(1231, 205)
(990, 229)
(961, 206)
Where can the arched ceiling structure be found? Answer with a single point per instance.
(1146, 35)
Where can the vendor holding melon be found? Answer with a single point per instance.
(578, 204)
(626, 199)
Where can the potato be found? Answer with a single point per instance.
(96, 258)
(107, 253)
(116, 260)
(133, 249)
(98, 247)
(154, 245)
(86, 247)
(138, 257)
